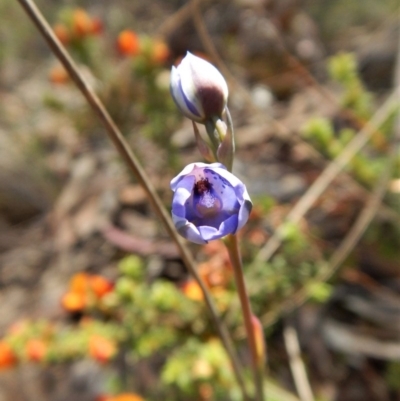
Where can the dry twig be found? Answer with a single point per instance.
(296, 363)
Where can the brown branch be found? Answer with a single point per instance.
(296, 363)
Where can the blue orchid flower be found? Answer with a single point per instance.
(209, 202)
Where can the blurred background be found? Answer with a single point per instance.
(95, 303)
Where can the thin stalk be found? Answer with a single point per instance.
(210, 129)
(230, 128)
(232, 245)
(131, 160)
(203, 147)
(226, 149)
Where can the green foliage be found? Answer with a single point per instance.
(345, 136)
(367, 170)
(154, 340)
(290, 233)
(392, 375)
(196, 363)
(264, 202)
(272, 282)
(132, 267)
(320, 131)
(343, 69)
(319, 291)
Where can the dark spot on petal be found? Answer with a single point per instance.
(202, 186)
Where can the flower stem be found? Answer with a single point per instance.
(210, 129)
(232, 245)
(132, 162)
(226, 148)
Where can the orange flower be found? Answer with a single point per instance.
(79, 283)
(160, 52)
(102, 349)
(100, 285)
(73, 301)
(82, 24)
(58, 75)
(36, 350)
(83, 288)
(62, 33)
(128, 43)
(192, 290)
(97, 26)
(7, 356)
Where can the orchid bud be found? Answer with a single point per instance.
(259, 339)
(198, 89)
(209, 202)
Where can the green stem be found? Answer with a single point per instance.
(131, 160)
(210, 129)
(232, 245)
(231, 136)
(226, 149)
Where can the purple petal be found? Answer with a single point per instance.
(179, 97)
(208, 233)
(244, 213)
(187, 170)
(188, 230)
(178, 208)
(233, 180)
(188, 103)
(183, 189)
(229, 226)
(223, 190)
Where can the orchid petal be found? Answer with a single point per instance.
(209, 202)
